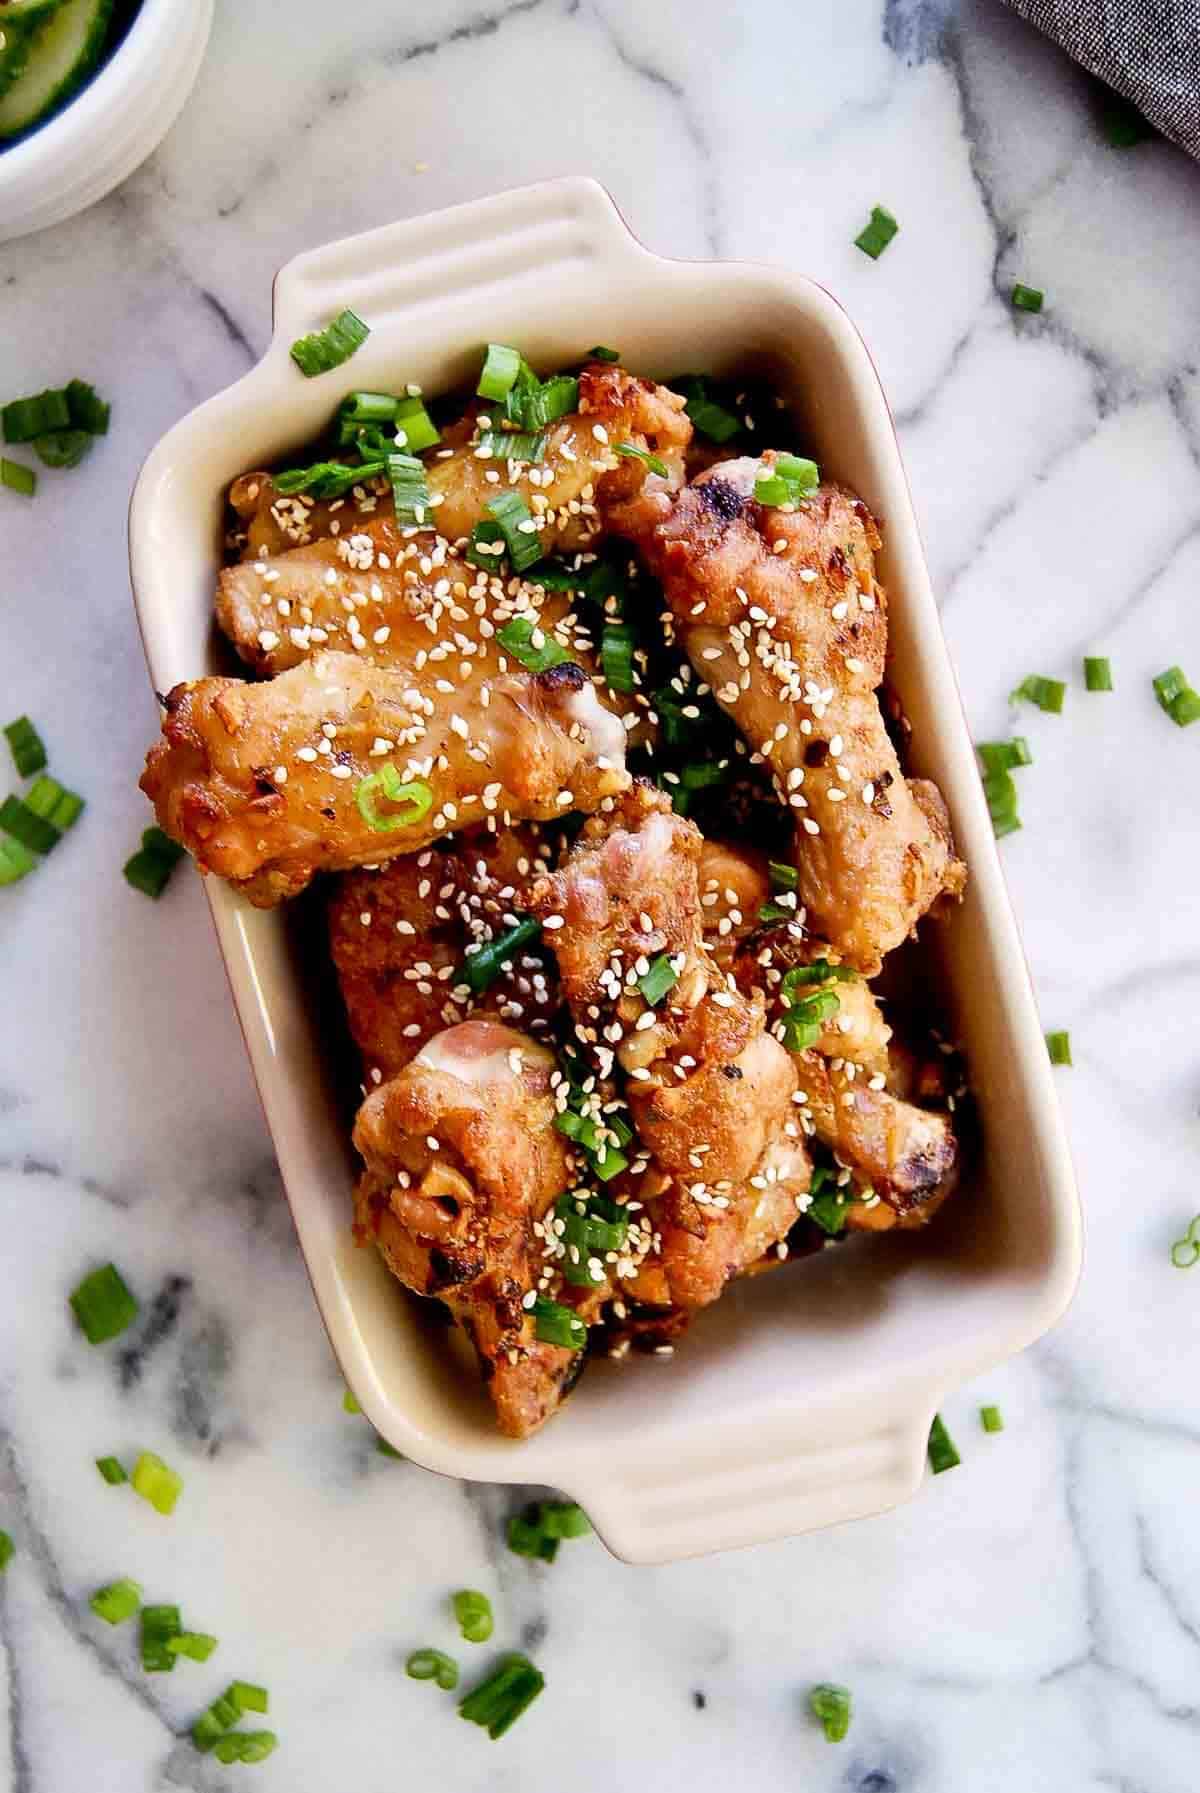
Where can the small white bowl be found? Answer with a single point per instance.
(112, 124)
(803, 1397)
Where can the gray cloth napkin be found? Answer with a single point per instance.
(1148, 50)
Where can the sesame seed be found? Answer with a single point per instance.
(810, 826)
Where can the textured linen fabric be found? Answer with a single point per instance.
(1149, 50)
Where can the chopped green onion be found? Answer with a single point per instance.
(1097, 673)
(805, 1020)
(156, 1482)
(1027, 298)
(25, 418)
(616, 656)
(198, 1646)
(16, 861)
(366, 407)
(150, 868)
(1121, 124)
(512, 445)
(417, 796)
(593, 1226)
(532, 645)
(710, 418)
(328, 479)
(1184, 1253)
(413, 422)
(654, 462)
(18, 477)
(244, 1746)
(216, 1719)
(28, 748)
(7, 1551)
(679, 729)
(991, 1419)
(532, 403)
(474, 1614)
(498, 1702)
(1002, 756)
(433, 1665)
(247, 1696)
(487, 547)
(500, 369)
(117, 1601)
(942, 1454)
(1172, 690)
(661, 977)
(63, 448)
(388, 1450)
(88, 411)
(24, 824)
(483, 967)
(53, 803)
(789, 481)
(159, 1625)
(783, 877)
(112, 1470)
(518, 528)
(1047, 694)
(103, 1305)
(326, 349)
(877, 233)
(555, 1324)
(1059, 1047)
(819, 972)
(827, 1203)
(526, 1537)
(563, 1519)
(830, 1705)
(349, 1403)
(600, 353)
(410, 491)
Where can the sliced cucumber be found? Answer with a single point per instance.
(16, 40)
(66, 43)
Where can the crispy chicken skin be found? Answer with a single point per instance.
(791, 636)
(457, 1221)
(398, 937)
(539, 745)
(560, 490)
(710, 1091)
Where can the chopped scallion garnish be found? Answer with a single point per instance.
(790, 479)
(827, 1202)
(112, 1470)
(156, 1482)
(88, 411)
(632, 452)
(63, 448)
(413, 422)
(1097, 673)
(942, 1454)
(51, 802)
(350, 1403)
(7, 1551)
(617, 645)
(830, 1705)
(198, 1646)
(479, 969)
(991, 1419)
(326, 349)
(512, 445)
(498, 1702)
(24, 418)
(103, 1305)
(710, 418)
(151, 866)
(533, 403)
(805, 1020)
(410, 490)
(877, 233)
(999, 786)
(1121, 124)
(18, 477)
(328, 479)
(1185, 1253)
(433, 1665)
(1047, 694)
(159, 1625)
(599, 353)
(247, 1696)
(661, 977)
(555, 1324)
(474, 1614)
(417, 797)
(1027, 298)
(531, 644)
(1058, 1045)
(238, 1698)
(499, 372)
(563, 1519)
(116, 1602)
(244, 1746)
(16, 861)
(1172, 690)
(518, 528)
(28, 748)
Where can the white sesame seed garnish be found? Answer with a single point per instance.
(868, 793)
(810, 826)
(267, 639)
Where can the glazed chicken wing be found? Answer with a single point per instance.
(261, 781)
(779, 610)
(709, 1090)
(462, 1161)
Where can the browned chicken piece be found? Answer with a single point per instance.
(734, 885)
(905, 1155)
(780, 612)
(560, 490)
(462, 1162)
(399, 935)
(710, 1091)
(261, 782)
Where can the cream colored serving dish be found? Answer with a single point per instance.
(805, 1397)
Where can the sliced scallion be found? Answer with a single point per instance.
(16, 861)
(326, 349)
(991, 1419)
(88, 411)
(103, 1305)
(62, 448)
(563, 1519)
(28, 748)
(112, 1470)
(653, 462)
(790, 479)
(151, 866)
(942, 1454)
(520, 532)
(7, 1551)
(1185, 1252)
(830, 1705)
(532, 403)
(198, 1646)
(474, 1614)
(159, 1625)
(500, 368)
(877, 233)
(433, 1665)
(117, 1601)
(18, 477)
(328, 479)
(156, 1482)
(710, 418)
(512, 445)
(827, 1202)
(599, 353)
(1027, 298)
(244, 1746)
(416, 796)
(498, 1702)
(532, 645)
(482, 968)
(1058, 1045)
(555, 1324)
(1047, 694)
(1174, 695)
(24, 418)
(617, 646)
(1097, 673)
(412, 421)
(661, 977)
(410, 490)
(51, 802)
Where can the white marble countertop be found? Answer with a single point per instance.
(1030, 1622)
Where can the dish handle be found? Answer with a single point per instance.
(507, 244)
(691, 1502)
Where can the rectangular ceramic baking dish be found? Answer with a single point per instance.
(805, 1397)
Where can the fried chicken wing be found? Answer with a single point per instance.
(710, 1091)
(259, 781)
(399, 936)
(462, 1159)
(780, 611)
(272, 522)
